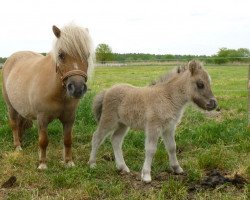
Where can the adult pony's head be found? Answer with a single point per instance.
(200, 86)
(73, 54)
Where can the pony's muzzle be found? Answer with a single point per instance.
(76, 90)
(212, 104)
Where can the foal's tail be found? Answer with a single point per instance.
(97, 105)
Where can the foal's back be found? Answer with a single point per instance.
(133, 106)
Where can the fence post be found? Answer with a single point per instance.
(248, 88)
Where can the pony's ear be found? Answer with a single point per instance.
(87, 30)
(194, 66)
(56, 31)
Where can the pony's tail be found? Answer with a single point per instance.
(97, 105)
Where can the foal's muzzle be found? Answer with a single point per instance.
(212, 104)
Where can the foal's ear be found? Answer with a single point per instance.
(56, 31)
(194, 66)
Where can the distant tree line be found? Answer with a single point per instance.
(224, 55)
(152, 57)
(2, 60)
(104, 54)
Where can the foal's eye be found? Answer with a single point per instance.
(61, 55)
(200, 84)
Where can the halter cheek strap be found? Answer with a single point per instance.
(71, 73)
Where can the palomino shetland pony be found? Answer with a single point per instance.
(156, 109)
(44, 88)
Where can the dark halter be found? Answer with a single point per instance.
(70, 73)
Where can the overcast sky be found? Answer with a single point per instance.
(197, 27)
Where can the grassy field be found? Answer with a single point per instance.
(205, 141)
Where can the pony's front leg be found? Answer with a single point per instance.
(170, 145)
(152, 136)
(43, 141)
(67, 131)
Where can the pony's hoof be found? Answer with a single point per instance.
(146, 178)
(18, 148)
(42, 166)
(70, 164)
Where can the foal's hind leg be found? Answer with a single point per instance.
(104, 128)
(169, 142)
(97, 140)
(117, 139)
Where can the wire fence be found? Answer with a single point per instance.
(233, 61)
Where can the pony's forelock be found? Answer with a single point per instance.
(76, 42)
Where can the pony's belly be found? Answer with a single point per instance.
(19, 99)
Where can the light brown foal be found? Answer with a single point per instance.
(156, 109)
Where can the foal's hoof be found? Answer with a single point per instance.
(123, 169)
(91, 164)
(69, 164)
(177, 169)
(146, 178)
(18, 148)
(42, 166)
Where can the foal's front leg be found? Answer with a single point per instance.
(152, 136)
(170, 145)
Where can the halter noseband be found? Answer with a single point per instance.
(70, 73)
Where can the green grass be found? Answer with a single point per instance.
(204, 142)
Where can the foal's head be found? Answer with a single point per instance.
(73, 56)
(200, 87)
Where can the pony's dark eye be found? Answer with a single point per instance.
(61, 56)
(200, 84)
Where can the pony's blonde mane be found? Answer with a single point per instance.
(76, 42)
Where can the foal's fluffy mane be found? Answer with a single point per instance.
(169, 75)
(76, 42)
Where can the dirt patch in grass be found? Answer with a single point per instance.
(215, 114)
(212, 180)
(215, 179)
(9, 183)
(134, 180)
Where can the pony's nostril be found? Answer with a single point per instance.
(84, 88)
(70, 87)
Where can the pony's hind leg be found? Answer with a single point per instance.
(23, 125)
(117, 140)
(14, 120)
(170, 145)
